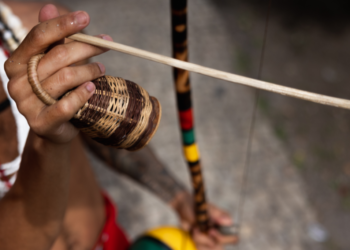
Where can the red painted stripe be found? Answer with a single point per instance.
(186, 119)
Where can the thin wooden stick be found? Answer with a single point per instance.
(305, 95)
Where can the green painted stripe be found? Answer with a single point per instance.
(188, 137)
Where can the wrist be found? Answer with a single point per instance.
(39, 143)
(46, 151)
(42, 160)
(181, 197)
(182, 203)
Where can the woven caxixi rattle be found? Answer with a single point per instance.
(120, 113)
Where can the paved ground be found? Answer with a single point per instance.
(277, 214)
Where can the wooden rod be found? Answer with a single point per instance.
(184, 104)
(301, 94)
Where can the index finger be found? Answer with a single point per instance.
(220, 217)
(49, 32)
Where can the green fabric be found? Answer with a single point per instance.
(148, 243)
(188, 137)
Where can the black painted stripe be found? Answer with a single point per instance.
(178, 4)
(193, 164)
(179, 37)
(184, 101)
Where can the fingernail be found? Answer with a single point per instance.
(102, 68)
(90, 87)
(80, 17)
(107, 37)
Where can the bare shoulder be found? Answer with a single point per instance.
(28, 11)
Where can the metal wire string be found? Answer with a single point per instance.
(246, 162)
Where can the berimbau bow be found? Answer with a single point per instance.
(185, 111)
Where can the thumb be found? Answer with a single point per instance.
(220, 217)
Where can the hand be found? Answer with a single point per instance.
(55, 72)
(183, 205)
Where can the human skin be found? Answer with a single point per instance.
(8, 151)
(78, 205)
(55, 202)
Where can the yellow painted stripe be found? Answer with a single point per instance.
(191, 153)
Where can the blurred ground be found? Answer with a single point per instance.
(299, 175)
(308, 49)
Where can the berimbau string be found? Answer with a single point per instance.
(246, 161)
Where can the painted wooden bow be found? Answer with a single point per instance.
(185, 111)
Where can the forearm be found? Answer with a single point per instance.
(143, 167)
(33, 209)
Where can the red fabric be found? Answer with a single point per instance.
(4, 178)
(7, 53)
(186, 120)
(112, 237)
